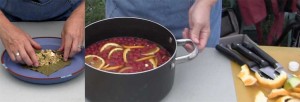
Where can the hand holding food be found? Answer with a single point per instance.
(19, 45)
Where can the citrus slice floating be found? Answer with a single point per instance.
(133, 47)
(107, 65)
(153, 62)
(113, 67)
(108, 45)
(144, 58)
(94, 61)
(125, 55)
(114, 50)
(124, 69)
(151, 52)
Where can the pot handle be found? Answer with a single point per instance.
(190, 56)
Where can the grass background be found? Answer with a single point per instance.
(94, 11)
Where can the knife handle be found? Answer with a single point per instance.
(234, 56)
(261, 53)
(247, 53)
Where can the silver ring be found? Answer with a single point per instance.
(17, 54)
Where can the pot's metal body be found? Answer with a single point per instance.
(151, 85)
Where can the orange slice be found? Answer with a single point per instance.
(125, 55)
(151, 52)
(272, 84)
(107, 65)
(107, 45)
(153, 62)
(278, 92)
(133, 47)
(113, 67)
(124, 69)
(144, 58)
(246, 77)
(94, 61)
(114, 50)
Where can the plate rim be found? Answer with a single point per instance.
(14, 73)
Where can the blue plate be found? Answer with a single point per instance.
(69, 72)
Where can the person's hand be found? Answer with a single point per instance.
(73, 32)
(199, 22)
(72, 37)
(19, 45)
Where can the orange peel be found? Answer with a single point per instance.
(272, 84)
(144, 58)
(152, 51)
(113, 67)
(133, 47)
(278, 92)
(97, 63)
(125, 55)
(124, 69)
(153, 62)
(107, 45)
(114, 50)
(246, 77)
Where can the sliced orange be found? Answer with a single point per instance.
(144, 58)
(107, 45)
(114, 50)
(133, 47)
(113, 67)
(151, 52)
(124, 69)
(153, 62)
(246, 77)
(107, 65)
(125, 55)
(272, 84)
(94, 61)
(278, 92)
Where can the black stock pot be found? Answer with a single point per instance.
(151, 85)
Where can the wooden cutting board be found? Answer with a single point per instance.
(282, 54)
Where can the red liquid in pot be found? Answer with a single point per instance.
(126, 55)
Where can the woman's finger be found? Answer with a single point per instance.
(67, 48)
(32, 55)
(75, 47)
(25, 56)
(61, 48)
(11, 55)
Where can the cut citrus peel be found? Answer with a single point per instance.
(105, 66)
(107, 45)
(94, 61)
(133, 47)
(153, 62)
(124, 69)
(294, 94)
(113, 50)
(260, 97)
(284, 99)
(246, 77)
(144, 58)
(125, 55)
(278, 92)
(272, 84)
(152, 51)
(113, 67)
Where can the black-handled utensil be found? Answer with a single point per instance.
(249, 54)
(278, 67)
(261, 53)
(234, 56)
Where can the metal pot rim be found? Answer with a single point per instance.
(172, 57)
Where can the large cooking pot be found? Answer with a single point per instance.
(151, 85)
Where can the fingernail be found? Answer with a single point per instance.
(65, 59)
(36, 64)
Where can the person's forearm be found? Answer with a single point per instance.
(5, 24)
(79, 12)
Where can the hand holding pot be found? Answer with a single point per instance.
(199, 22)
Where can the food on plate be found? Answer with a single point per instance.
(292, 83)
(50, 61)
(126, 55)
(246, 77)
(260, 97)
(278, 92)
(272, 84)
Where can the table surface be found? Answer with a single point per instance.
(207, 78)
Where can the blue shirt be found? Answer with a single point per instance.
(43, 10)
(173, 14)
